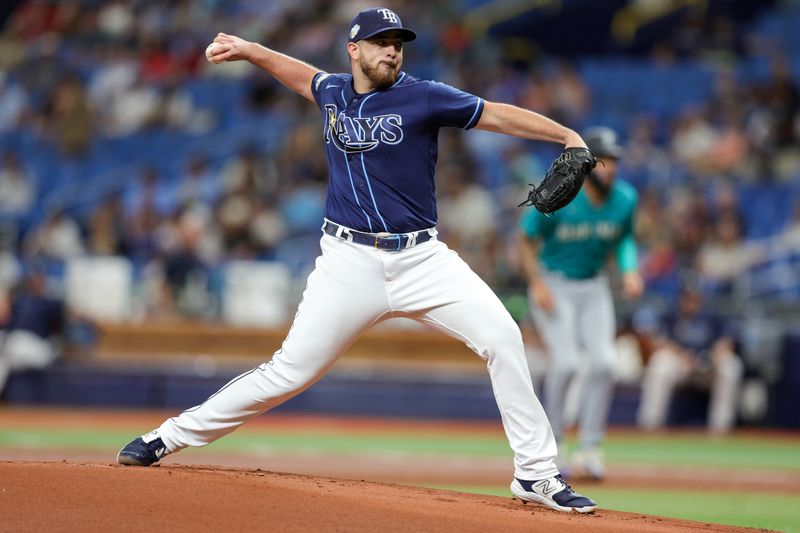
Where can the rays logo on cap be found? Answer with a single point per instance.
(370, 22)
(389, 15)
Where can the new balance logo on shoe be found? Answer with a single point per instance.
(550, 486)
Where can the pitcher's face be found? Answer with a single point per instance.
(380, 58)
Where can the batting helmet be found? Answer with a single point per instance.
(602, 141)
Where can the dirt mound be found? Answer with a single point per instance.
(65, 496)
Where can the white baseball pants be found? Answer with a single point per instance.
(354, 287)
(21, 349)
(667, 369)
(581, 323)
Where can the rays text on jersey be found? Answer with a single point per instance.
(361, 134)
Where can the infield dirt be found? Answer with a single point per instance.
(73, 496)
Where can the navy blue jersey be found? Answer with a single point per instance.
(697, 332)
(382, 148)
(38, 314)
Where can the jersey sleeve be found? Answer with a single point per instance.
(316, 85)
(451, 107)
(627, 253)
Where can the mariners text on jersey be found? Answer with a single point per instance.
(382, 148)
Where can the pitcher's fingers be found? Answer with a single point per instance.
(224, 56)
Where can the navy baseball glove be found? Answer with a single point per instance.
(562, 181)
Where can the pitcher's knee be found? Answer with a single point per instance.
(281, 378)
(504, 340)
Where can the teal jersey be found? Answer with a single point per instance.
(577, 240)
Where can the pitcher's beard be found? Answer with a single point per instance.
(381, 79)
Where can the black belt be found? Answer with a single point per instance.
(382, 241)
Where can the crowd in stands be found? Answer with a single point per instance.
(84, 79)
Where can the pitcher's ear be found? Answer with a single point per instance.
(353, 51)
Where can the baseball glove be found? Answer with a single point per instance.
(562, 181)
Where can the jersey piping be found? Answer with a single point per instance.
(350, 175)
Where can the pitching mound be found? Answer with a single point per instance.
(39, 496)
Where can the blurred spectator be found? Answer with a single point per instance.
(234, 215)
(32, 322)
(650, 224)
(725, 256)
(689, 218)
(689, 36)
(250, 171)
(188, 248)
(149, 193)
(467, 209)
(730, 148)
(303, 206)
(726, 203)
(693, 139)
(58, 237)
(13, 103)
(17, 191)
(467, 217)
(722, 41)
(135, 108)
(572, 99)
(267, 229)
(659, 263)
(73, 118)
(139, 234)
(198, 183)
(773, 123)
(155, 62)
(693, 348)
(179, 112)
(644, 159)
(10, 269)
(106, 228)
(790, 236)
(115, 72)
(116, 20)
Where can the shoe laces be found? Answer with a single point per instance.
(561, 479)
(156, 445)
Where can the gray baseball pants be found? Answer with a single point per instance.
(579, 334)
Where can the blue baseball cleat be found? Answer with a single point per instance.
(143, 451)
(553, 493)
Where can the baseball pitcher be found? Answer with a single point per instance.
(380, 254)
(564, 258)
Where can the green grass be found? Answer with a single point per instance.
(693, 450)
(770, 511)
(735, 451)
(245, 441)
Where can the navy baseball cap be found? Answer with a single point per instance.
(375, 20)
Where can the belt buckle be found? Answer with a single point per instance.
(387, 235)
